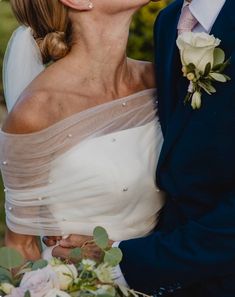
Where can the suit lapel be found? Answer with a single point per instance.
(168, 66)
(224, 27)
(175, 113)
(175, 129)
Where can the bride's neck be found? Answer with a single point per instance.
(99, 49)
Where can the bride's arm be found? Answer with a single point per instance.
(22, 120)
(27, 245)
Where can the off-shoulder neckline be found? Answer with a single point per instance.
(83, 112)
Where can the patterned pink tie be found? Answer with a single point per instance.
(187, 21)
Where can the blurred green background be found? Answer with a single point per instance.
(140, 47)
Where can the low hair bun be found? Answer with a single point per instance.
(53, 46)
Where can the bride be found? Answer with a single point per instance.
(81, 141)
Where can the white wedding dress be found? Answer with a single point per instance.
(95, 168)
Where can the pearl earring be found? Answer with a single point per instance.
(90, 5)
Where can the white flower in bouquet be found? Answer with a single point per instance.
(104, 273)
(57, 293)
(88, 264)
(6, 288)
(197, 48)
(66, 275)
(104, 290)
(39, 282)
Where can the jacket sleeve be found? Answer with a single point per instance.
(194, 252)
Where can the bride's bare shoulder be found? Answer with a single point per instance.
(29, 114)
(39, 106)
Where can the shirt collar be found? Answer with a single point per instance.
(206, 11)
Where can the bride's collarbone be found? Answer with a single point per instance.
(39, 108)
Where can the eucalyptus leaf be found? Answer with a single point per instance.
(74, 294)
(218, 77)
(104, 295)
(113, 256)
(5, 275)
(27, 294)
(40, 264)
(76, 254)
(101, 237)
(10, 258)
(219, 56)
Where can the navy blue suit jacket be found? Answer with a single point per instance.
(192, 252)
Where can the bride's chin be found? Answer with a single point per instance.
(116, 6)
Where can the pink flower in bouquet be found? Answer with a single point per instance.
(39, 282)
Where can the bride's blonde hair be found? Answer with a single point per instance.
(50, 25)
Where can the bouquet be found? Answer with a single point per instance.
(76, 277)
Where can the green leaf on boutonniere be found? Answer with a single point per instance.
(227, 77)
(218, 77)
(191, 67)
(27, 294)
(101, 238)
(225, 65)
(207, 87)
(207, 69)
(187, 97)
(219, 56)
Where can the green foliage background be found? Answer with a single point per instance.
(140, 47)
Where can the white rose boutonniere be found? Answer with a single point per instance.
(203, 63)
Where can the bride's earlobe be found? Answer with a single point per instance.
(79, 4)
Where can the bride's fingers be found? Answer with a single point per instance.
(91, 251)
(60, 252)
(74, 241)
(51, 240)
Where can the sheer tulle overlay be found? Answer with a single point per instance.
(96, 167)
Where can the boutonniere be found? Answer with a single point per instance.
(203, 63)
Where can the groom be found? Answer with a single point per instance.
(192, 252)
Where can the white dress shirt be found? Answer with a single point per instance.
(206, 12)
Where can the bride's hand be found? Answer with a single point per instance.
(90, 250)
(74, 241)
(51, 240)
